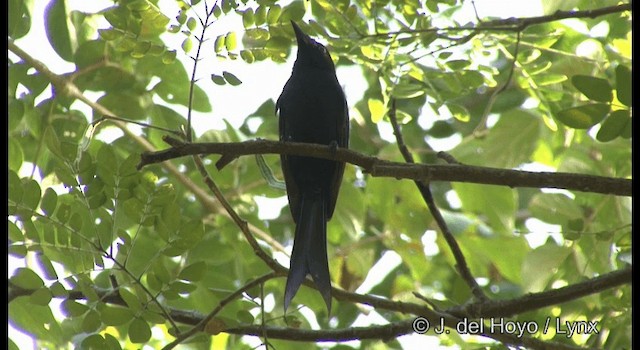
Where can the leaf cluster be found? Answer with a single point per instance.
(135, 254)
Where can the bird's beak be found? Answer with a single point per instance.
(302, 38)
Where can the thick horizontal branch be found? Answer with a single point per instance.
(382, 168)
(505, 308)
(392, 330)
(385, 333)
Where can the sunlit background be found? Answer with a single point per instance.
(261, 81)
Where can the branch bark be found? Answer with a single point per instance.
(515, 24)
(382, 168)
(394, 329)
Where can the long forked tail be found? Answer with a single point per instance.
(309, 253)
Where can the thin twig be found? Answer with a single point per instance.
(205, 24)
(213, 187)
(492, 99)
(514, 24)
(202, 323)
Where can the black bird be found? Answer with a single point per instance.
(313, 109)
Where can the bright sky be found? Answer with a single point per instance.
(261, 81)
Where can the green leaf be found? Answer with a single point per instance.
(172, 89)
(459, 112)
(89, 53)
(141, 49)
(15, 235)
(614, 126)
(408, 90)
(41, 296)
(57, 29)
(509, 143)
(181, 287)
(226, 5)
(230, 41)
(441, 129)
(458, 64)
(497, 204)
(472, 79)
(110, 34)
(58, 290)
(139, 331)
(216, 10)
(247, 56)
(218, 79)
(248, 18)
(93, 341)
(124, 105)
(219, 43)
(187, 44)
(583, 117)
(549, 79)
(377, 110)
(596, 89)
(138, 5)
(72, 308)
(52, 142)
(111, 342)
(17, 107)
(231, 79)
(192, 23)
(540, 266)
(623, 84)
(554, 208)
(245, 317)
(193, 272)
(274, 14)
(19, 18)
(260, 15)
(15, 154)
(169, 57)
(37, 320)
(130, 299)
(15, 188)
(25, 278)
(49, 201)
(115, 316)
(46, 266)
(91, 321)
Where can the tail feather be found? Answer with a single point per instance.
(309, 253)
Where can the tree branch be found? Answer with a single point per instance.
(383, 168)
(515, 24)
(534, 301)
(386, 332)
(425, 191)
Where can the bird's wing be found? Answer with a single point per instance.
(342, 130)
(293, 192)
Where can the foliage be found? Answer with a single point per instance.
(132, 250)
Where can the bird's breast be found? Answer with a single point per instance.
(313, 106)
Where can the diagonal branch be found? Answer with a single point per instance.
(425, 191)
(200, 326)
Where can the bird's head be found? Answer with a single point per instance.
(311, 53)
